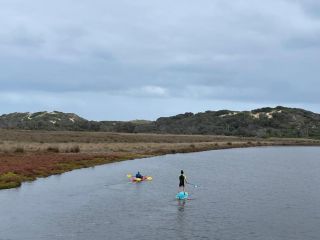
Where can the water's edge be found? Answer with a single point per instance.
(107, 161)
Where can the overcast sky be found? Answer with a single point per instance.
(142, 59)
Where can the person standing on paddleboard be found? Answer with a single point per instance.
(182, 180)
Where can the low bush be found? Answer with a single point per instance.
(53, 149)
(10, 180)
(19, 150)
(74, 149)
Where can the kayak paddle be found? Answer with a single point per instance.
(149, 178)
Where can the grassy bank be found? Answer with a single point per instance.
(27, 155)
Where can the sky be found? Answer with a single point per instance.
(142, 59)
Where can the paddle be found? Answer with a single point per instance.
(194, 185)
(147, 177)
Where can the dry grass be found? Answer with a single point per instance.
(26, 155)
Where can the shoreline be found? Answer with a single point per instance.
(28, 155)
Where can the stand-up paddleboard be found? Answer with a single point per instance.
(182, 195)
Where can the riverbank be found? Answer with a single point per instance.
(28, 155)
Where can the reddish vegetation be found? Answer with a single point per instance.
(16, 168)
(26, 155)
(30, 164)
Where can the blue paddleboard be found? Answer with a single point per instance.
(182, 195)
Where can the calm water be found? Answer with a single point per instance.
(257, 193)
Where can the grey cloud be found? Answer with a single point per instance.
(311, 40)
(312, 7)
(21, 37)
(213, 50)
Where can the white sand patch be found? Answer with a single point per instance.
(42, 114)
(71, 119)
(255, 115)
(228, 114)
(269, 115)
(53, 122)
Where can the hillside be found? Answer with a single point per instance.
(264, 122)
(43, 120)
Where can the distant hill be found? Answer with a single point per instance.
(263, 122)
(43, 120)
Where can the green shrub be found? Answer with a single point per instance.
(7, 185)
(75, 149)
(10, 180)
(9, 177)
(53, 149)
(19, 150)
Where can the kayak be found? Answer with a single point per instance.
(182, 195)
(145, 178)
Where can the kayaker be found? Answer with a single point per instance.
(138, 175)
(182, 180)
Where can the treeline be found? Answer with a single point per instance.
(263, 122)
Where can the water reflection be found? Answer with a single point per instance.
(181, 205)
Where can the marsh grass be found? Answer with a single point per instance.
(19, 150)
(75, 149)
(10, 180)
(53, 149)
(27, 155)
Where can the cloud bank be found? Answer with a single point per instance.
(144, 59)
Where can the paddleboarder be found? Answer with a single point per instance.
(182, 181)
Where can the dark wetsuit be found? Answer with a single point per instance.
(182, 179)
(139, 176)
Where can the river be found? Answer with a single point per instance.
(250, 193)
